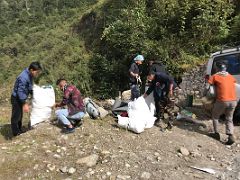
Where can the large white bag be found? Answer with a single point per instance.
(139, 115)
(42, 102)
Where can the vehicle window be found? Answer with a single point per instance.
(232, 61)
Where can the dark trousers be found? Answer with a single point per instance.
(160, 104)
(165, 106)
(17, 114)
(135, 91)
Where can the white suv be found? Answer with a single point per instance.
(231, 57)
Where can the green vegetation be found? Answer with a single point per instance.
(92, 42)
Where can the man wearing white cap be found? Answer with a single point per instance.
(134, 73)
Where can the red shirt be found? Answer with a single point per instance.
(73, 99)
(225, 86)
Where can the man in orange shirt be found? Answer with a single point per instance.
(226, 101)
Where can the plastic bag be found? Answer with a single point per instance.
(139, 115)
(43, 100)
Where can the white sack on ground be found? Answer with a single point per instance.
(123, 121)
(151, 103)
(139, 116)
(42, 102)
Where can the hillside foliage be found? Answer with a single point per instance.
(92, 42)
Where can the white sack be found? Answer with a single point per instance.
(123, 121)
(43, 100)
(139, 116)
(151, 103)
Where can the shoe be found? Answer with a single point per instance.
(16, 134)
(69, 130)
(157, 122)
(215, 136)
(77, 123)
(169, 126)
(231, 140)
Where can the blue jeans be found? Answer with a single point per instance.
(63, 115)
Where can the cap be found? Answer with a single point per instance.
(139, 58)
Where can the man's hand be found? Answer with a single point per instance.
(145, 95)
(56, 105)
(26, 108)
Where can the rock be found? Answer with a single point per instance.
(123, 177)
(48, 151)
(71, 170)
(57, 156)
(212, 159)
(126, 95)
(4, 148)
(195, 154)
(105, 152)
(184, 151)
(179, 155)
(109, 173)
(91, 172)
(63, 169)
(127, 165)
(58, 150)
(35, 166)
(102, 112)
(64, 148)
(65, 137)
(110, 102)
(89, 161)
(229, 147)
(150, 158)
(112, 178)
(104, 177)
(145, 175)
(51, 167)
(238, 176)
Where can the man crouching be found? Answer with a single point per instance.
(75, 106)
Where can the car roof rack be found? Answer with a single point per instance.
(225, 47)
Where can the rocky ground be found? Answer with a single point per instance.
(100, 150)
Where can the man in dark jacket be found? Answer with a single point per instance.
(22, 89)
(75, 107)
(156, 66)
(162, 86)
(134, 74)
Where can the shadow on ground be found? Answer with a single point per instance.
(6, 131)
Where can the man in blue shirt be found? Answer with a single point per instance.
(22, 89)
